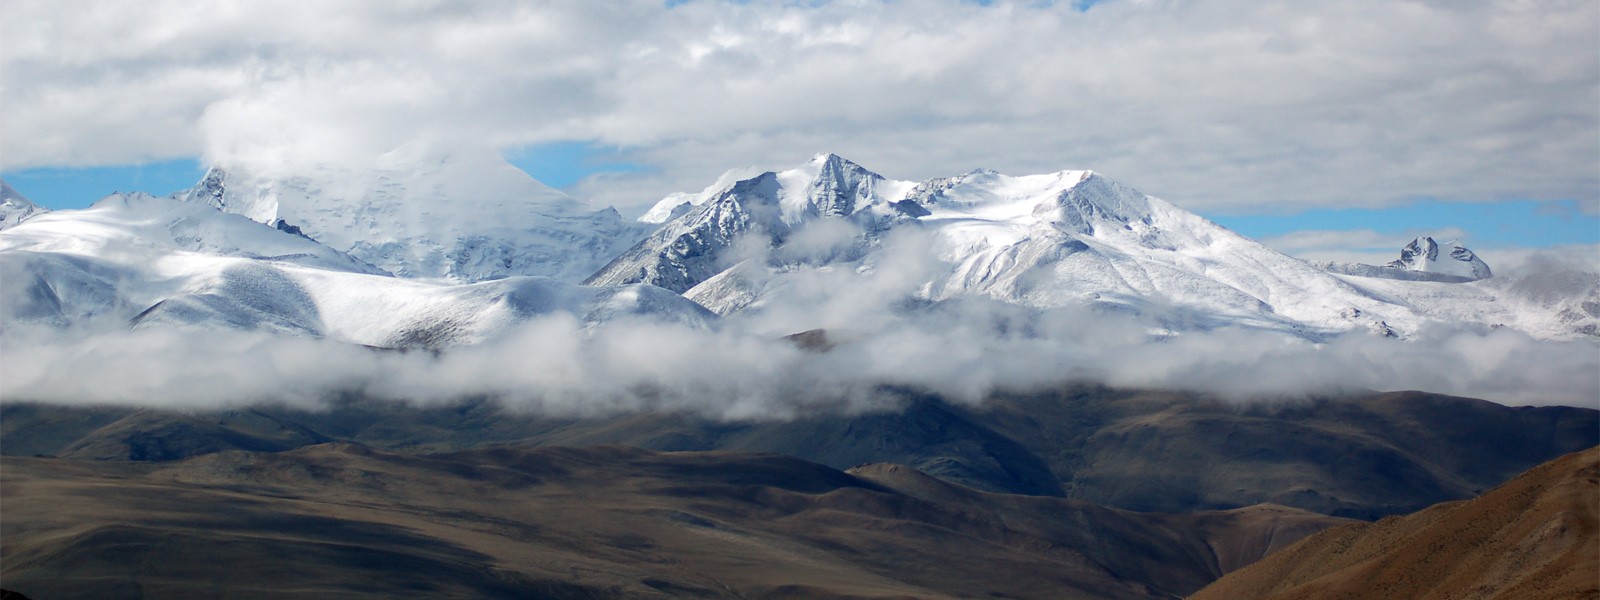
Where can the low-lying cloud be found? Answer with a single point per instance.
(556, 365)
(882, 331)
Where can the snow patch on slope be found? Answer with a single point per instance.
(675, 205)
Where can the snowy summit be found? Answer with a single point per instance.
(447, 251)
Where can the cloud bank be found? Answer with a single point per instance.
(1226, 104)
(882, 330)
(556, 366)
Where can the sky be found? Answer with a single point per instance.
(1328, 130)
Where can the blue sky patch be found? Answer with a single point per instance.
(68, 188)
(1529, 223)
(562, 164)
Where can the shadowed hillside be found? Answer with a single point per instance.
(1363, 456)
(344, 521)
(1537, 536)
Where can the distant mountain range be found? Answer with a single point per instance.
(444, 252)
(838, 479)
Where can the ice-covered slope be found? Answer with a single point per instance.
(1554, 305)
(764, 209)
(675, 205)
(14, 208)
(140, 261)
(137, 228)
(1053, 240)
(463, 217)
(1045, 241)
(1050, 240)
(1447, 283)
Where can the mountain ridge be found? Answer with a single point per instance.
(1063, 239)
(133, 261)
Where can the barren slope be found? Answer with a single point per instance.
(1363, 456)
(1534, 537)
(341, 520)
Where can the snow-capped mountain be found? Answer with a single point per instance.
(14, 208)
(1423, 255)
(466, 218)
(369, 257)
(141, 261)
(1420, 260)
(674, 205)
(694, 246)
(1044, 241)
(1051, 240)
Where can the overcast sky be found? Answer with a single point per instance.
(1222, 106)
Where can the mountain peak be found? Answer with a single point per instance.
(14, 208)
(212, 189)
(839, 187)
(1424, 254)
(7, 193)
(1091, 199)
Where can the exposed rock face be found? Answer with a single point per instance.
(1425, 255)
